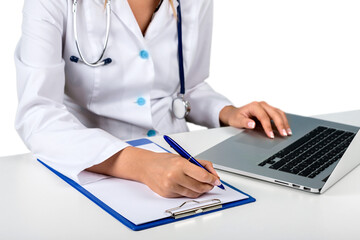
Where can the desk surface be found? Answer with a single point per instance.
(36, 204)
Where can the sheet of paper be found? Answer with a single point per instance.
(152, 147)
(139, 204)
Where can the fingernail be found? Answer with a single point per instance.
(251, 124)
(284, 133)
(271, 134)
(217, 182)
(289, 131)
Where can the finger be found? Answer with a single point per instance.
(195, 186)
(209, 166)
(278, 119)
(246, 122)
(200, 174)
(181, 191)
(286, 122)
(242, 121)
(258, 111)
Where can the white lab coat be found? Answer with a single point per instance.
(72, 116)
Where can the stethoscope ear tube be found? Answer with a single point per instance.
(100, 61)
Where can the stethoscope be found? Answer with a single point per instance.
(180, 107)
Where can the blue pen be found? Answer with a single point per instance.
(185, 154)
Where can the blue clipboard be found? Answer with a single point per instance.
(130, 224)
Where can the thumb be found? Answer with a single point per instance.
(249, 123)
(243, 122)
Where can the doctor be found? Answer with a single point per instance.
(89, 76)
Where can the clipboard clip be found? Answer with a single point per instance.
(205, 206)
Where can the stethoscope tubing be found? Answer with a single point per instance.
(180, 110)
(100, 61)
(180, 52)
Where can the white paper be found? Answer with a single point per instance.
(139, 204)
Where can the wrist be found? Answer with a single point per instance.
(131, 164)
(225, 114)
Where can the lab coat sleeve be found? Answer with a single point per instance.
(206, 104)
(43, 122)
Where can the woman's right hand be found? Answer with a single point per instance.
(170, 175)
(167, 174)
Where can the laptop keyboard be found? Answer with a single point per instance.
(311, 154)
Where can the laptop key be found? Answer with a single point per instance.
(311, 154)
(305, 172)
(279, 163)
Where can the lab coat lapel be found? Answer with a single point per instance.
(164, 16)
(121, 9)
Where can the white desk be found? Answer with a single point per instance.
(36, 204)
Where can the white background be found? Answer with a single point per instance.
(301, 56)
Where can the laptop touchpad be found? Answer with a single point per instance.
(258, 139)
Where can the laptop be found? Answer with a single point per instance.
(312, 159)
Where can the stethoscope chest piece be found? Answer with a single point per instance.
(180, 107)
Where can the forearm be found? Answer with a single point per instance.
(128, 163)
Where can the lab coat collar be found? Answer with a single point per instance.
(164, 16)
(121, 9)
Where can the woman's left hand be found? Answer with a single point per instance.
(243, 118)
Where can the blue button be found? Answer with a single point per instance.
(151, 133)
(141, 101)
(144, 54)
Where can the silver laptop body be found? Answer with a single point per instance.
(247, 152)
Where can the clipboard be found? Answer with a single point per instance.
(187, 209)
